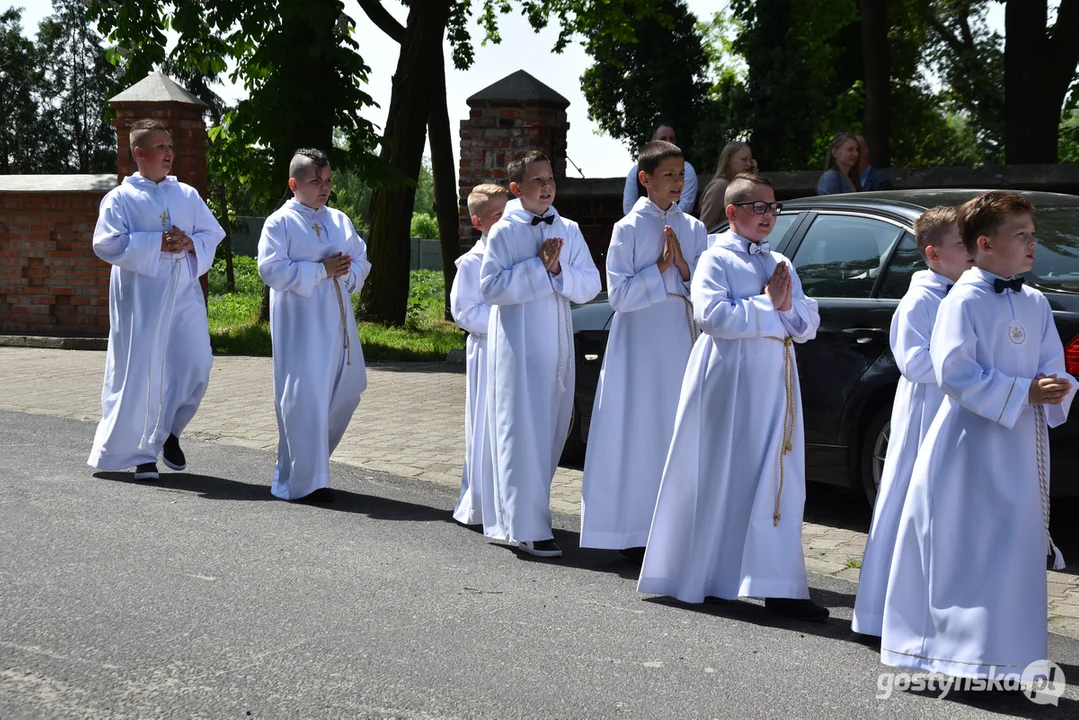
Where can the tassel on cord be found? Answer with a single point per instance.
(1042, 444)
(1058, 557)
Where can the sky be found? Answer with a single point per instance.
(596, 154)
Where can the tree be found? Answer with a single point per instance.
(1039, 68)
(970, 57)
(878, 79)
(297, 60)
(802, 68)
(19, 75)
(1017, 120)
(388, 247)
(660, 77)
(78, 81)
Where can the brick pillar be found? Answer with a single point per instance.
(515, 114)
(158, 97)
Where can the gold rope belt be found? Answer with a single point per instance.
(788, 415)
(344, 321)
(689, 316)
(1043, 480)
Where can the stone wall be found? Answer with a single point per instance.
(51, 283)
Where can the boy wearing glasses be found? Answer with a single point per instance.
(728, 520)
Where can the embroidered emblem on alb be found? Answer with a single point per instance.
(1016, 333)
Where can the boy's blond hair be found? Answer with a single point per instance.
(480, 197)
(932, 225)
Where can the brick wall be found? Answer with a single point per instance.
(188, 131)
(51, 283)
(493, 134)
(596, 207)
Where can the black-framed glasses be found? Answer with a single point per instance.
(760, 207)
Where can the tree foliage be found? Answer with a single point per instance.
(659, 77)
(296, 59)
(53, 95)
(19, 74)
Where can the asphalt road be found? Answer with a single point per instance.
(201, 596)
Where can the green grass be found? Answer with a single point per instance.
(854, 563)
(425, 336)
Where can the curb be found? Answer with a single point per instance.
(54, 343)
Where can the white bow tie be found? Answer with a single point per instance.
(760, 248)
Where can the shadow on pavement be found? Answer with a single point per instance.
(755, 613)
(419, 367)
(216, 488)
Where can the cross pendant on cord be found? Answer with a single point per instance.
(318, 231)
(164, 218)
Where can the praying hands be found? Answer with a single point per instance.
(779, 288)
(550, 254)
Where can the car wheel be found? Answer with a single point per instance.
(573, 450)
(873, 451)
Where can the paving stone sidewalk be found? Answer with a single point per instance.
(409, 423)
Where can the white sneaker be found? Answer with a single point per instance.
(541, 548)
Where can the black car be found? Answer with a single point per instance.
(855, 255)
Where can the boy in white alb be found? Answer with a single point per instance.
(917, 399)
(159, 237)
(967, 591)
(536, 262)
(728, 520)
(471, 312)
(313, 261)
(653, 252)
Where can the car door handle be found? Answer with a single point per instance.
(862, 335)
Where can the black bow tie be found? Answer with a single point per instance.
(948, 289)
(536, 220)
(1015, 284)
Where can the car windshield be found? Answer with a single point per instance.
(1056, 261)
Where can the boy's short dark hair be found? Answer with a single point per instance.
(742, 187)
(932, 225)
(984, 214)
(143, 129)
(515, 169)
(655, 152)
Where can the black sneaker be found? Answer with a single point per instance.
(172, 455)
(147, 471)
(322, 495)
(799, 609)
(541, 548)
(633, 554)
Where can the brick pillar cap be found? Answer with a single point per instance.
(156, 88)
(518, 88)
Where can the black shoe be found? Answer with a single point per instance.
(541, 548)
(172, 455)
(147, 471)
(322, 495)
(796, 608)
(633, 554)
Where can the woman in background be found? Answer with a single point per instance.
(841, 167)
(736, 158)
